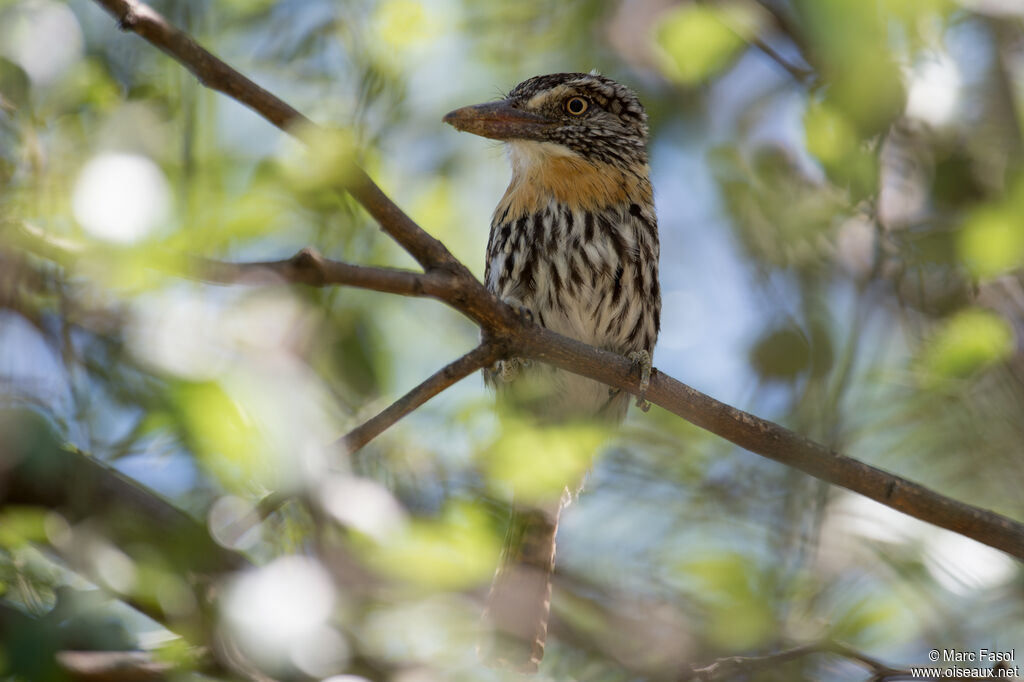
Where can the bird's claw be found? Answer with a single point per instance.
(508, 370)
(522, 312)
(525, 314)
(641, 360)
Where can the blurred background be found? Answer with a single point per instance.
(841, 205)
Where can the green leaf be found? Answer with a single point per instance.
(992, 241)
(21, 525)
(536, 462)
(223, 434)
(830, 137)
(781, 354)
(850, 44)
(969, 342)
(325, 162)
(14, 85)
(727, 585)
(456, 551)
(697, 41)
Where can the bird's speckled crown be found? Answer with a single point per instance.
(614, 128)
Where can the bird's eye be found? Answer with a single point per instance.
(576, 105)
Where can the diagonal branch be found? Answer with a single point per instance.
(734, 666)
(143, 20)
(511, 336)
(37, 469)
(776, 442)
(482, 356)
(802, 75)
(791, 28)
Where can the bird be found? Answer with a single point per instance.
(573, 247)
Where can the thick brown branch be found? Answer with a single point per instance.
(305, 267)
(777, 442)
(482, 356)
(428, 251)
(499, 323)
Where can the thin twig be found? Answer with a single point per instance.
(802, 75)
(232, 532)
(880, 670)
(482, 356)
(307, 266)
(310, 268)
(111, 666)
(734, 664)
(730, 667)
(788, 27)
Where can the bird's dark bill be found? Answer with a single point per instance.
(498, 121)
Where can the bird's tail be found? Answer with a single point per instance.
(519, 604)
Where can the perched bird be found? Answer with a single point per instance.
(573, 245)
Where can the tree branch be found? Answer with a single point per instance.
(514, 337)
(16, 627)
(146, 22)
(789, 27)
(482, 356)
(309, 267)
(36, 468)
(731, 667)
(112, 666)
(777, 442)
(143, 20)
(802, 75)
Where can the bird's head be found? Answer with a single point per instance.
(583, 115)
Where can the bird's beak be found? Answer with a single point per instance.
(498, 121)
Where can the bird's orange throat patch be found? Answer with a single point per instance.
(542, 172)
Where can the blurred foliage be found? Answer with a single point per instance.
(699, 40)
(840, 198)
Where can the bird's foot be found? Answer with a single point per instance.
(524, 313)
(508, 369)
(641, 360)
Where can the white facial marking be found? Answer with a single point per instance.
(554, 93)
(526, 154)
